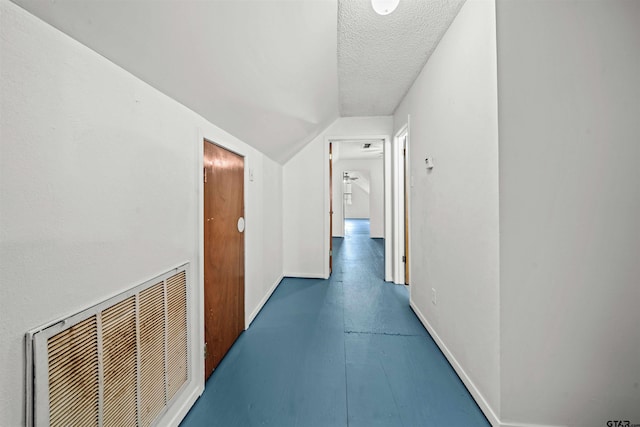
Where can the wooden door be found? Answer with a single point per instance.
(330, 209)
(223, 252)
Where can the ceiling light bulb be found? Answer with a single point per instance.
(384, 7)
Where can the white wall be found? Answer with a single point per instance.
(272, 250)
(303, 210)
(454, 207)
(359, 207)
(569, 96)
(263, 212)
(99, 179)
(306, 202)
(375, 170)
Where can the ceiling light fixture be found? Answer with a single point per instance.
(384, 7)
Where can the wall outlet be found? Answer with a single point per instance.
(434, 299)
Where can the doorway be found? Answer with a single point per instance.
(395, 214)
(330, 208)
(401, 206)
(364, 159)
(356, 198)
(223, 177)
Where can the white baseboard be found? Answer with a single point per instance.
(515, 424)
(477, 396)
(305, 275)
(263, 301)
(186, 405)
(475, 393)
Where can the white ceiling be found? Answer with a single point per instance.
(353, 149)
(265, 71)
(379, 57)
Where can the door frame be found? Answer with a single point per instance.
(388, 231)
(226, 324)
(406, 182)
(219, 138)
(331, 201)
(401, 169)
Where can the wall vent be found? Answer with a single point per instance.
(122, 362)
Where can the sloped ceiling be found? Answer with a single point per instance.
(265, 71)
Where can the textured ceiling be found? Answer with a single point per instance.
(379, 57)
(266, 71)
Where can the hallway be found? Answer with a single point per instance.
(337, 352)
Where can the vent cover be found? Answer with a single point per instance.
(73, 375)
(121, 362)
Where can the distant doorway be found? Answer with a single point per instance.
(359, 187)
(356, 196)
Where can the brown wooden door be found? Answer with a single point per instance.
(223, 252)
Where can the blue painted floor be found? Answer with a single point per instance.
(347, 351)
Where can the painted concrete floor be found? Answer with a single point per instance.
(347, 351)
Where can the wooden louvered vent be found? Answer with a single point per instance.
(120, 363)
